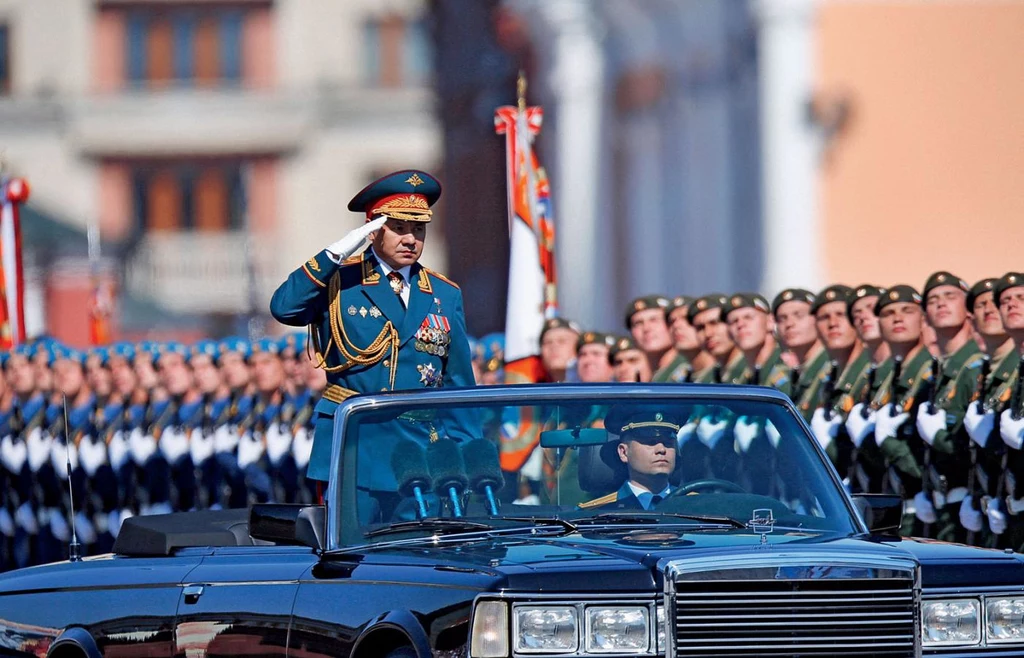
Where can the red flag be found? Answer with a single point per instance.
(100, 310)
(13, 192)
(531, 278)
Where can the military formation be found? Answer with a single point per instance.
(916, 393)
(147, 428)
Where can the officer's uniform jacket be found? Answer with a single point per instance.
(367, 342)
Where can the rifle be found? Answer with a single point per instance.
(827, 390)
(927, 479)
(972, 447)
(851, 474)
(934, 392)
(757, 374)
(1017, 399)
(897, 372)
(1015, 413)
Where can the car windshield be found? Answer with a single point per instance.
(419, 467)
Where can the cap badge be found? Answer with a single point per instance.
(736, 301)
(788, 295)
(1012, 278)
(831, 294)
(702, 304)
(658, 417)
(894, 295)
(940, 278)
(639, 305)
(414, 180)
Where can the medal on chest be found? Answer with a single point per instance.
(434, 335)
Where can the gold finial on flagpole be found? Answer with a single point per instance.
(521, 90)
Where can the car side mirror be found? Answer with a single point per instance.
(883, 513)
(292, 525)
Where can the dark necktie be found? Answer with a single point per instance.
(655, 499)
(397, 283)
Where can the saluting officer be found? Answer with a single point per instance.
(380, 320)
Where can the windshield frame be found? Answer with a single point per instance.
(525, 393)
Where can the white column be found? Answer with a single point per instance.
(575, 80)
(789, 144)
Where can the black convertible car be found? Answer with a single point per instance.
(426, 547)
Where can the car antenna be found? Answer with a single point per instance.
(75, 549)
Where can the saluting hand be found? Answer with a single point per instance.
(356, 239)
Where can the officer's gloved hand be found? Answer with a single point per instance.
(356, 239)
(1011, 430)
(886, 425)
(825, 430)
(970, 517)
(929, 424)
(996, 517)
(923, 508)
(711, 431)
(979, 424)
(745, 431)
(857, 426)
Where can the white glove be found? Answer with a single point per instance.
(745, 431)
(302, 447)
(1011, 430)
(6, 523)
(979, 425)
(929, 424)
(13, 454)
(279, 442)
(923, 508)
(710, 432)
(772, 433)
(356, 239)
(859, 427)
(996, 518)
(59, 526)
(825, 430)
(173, 444)
(686, 432)
(887, 425)
(970, 518)
(200, 446)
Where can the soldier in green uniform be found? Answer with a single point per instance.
(901, 320)
(940, 422)
(647, 324)
(629, 363)
(847, 362)
(991, 393)
(690, 355)
(558, 339)
(708, 319)
(749, 319)
(795, 326)
(593, 364)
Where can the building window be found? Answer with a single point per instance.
(5, 59)
(204, 197)
(397, 52)
(184, 47)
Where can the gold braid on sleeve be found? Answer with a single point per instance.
(385, 342)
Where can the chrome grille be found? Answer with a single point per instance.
(794, 611)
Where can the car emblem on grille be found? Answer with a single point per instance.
(762, 521)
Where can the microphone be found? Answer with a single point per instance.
(409, 464)
(447, 472)
(485, 476)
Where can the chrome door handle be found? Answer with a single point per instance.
(192, 593)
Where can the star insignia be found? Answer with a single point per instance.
(374, 312)
(658, 417)
(351, 310)
(362, 311)
(428, 374)
(414, 180)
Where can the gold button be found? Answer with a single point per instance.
(387, 363)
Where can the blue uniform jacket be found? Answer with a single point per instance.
(425, 345)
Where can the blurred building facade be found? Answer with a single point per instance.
(214, 145)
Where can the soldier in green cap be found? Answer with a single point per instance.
(706, 315)
(867, 466)
(629, 363)
(750, 323)
(690, 355)
(847, 362)
(558, 339)
(940, 422)
(901, 319)
(991, 391)
(593, 364)
(795, 327)
(645, 320)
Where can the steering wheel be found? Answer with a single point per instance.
(710, 484)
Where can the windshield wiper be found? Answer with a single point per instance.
(653, 517)
(541, 520)
(444, 526)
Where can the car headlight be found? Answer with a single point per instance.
(545, 629)
(490, 630)
(951, 622)
(618, 629)
(1005, 620)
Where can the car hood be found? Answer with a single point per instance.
(629, 559)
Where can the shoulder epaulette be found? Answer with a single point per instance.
(354, 260)
(442, 277)
(975, 361)
(597, 502)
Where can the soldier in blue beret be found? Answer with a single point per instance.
(492, 353)
(403, 324)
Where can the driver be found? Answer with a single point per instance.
(647, 448)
